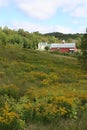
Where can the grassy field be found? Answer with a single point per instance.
(42, 91)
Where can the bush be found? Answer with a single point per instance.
(10, 120)
(9, 90)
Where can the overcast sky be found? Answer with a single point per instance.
(66, 16)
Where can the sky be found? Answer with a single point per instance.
(44, 16)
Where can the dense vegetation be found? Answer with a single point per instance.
(31, 40)
(83, 47)
(67, 37)
(41, 90)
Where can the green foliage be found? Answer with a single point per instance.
(70, 54)
(3, 38)
(31, 40)
(9, 118)
(47, 48)
(83, 47)
(11, 91)
(66, 37)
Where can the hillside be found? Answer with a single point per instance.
(64, 36)
(40, 87)
(17, 63)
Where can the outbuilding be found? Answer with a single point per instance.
(42, 45)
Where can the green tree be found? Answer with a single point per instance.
(25, 42)
(3, 38)
(47, 48)
(83, 47)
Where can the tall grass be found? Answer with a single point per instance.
(46, 91)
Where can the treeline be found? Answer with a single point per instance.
(67, 37)
(24, 38)
(20, 37)
(31, 40)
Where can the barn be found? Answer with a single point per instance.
(63, 47)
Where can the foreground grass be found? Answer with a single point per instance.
(45, 91)
(62, 125)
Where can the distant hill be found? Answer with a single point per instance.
(64, 36)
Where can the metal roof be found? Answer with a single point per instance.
(62, 45)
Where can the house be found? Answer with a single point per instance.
(63, 47)
(42, 45)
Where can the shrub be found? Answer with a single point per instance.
(10, 120)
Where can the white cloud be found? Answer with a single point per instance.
(43, 9)
(80, 10)
(42, 29)
(1, 3)
(4, 2)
